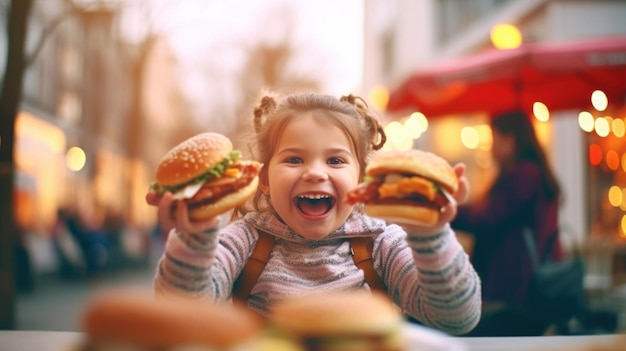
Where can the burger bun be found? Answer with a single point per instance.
(404, 214)
(132, 318)
(340, 313)
(192, 157)
(414, 161)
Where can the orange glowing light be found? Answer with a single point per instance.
(612, 160)
(595, 154)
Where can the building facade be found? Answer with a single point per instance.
(76, 125)
(404, 37)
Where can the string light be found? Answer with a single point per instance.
(541, 112)
(599, 101)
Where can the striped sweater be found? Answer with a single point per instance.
(429, 277)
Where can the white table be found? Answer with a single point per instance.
(64, 341)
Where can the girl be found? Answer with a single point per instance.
(314, 149)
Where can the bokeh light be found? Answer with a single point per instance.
(397, 137)
(421, 119)
(602, 127)
(541, 112)
(615, 196)
(595, 154)
(484, 136)
(506, 36)
(599, 101)
(618, 127)
(585, 121)
(379, 97)
(413, 126)
(612, 160)
(75, 158)
(469, 137)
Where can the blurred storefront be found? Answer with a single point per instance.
(405, 38)
(40, 185)
(74, 128)
(606, 158)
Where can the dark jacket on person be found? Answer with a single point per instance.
(516, 201)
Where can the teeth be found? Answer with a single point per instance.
(314, 197)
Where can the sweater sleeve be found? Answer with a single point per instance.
(204, 265)
(432, 279)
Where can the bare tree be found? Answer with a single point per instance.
(10, 97)
(270, 65)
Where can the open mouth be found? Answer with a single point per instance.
(315, 204)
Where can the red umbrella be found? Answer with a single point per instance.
(562, 76)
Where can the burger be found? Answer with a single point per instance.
(407, 187)
(349, 320)
(124, 319)
(207, 174)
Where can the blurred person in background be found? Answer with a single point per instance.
(66, 245)
(525, 194)
(81, 245)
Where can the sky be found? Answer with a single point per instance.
(212, 36)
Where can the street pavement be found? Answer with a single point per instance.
(56, 304)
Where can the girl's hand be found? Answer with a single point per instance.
(448, 212)
(175, 214)
(463, 191)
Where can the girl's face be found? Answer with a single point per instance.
(309, 175)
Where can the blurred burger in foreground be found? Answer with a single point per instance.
(340, 321)
(130, 320)
(406, 187)
(206, 173)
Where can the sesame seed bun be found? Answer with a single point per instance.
(192, 158)
(141, 320)
(423, 163)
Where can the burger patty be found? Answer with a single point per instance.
(368, 193)
(209, 193)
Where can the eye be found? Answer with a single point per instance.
(336, 161)
(293, 160)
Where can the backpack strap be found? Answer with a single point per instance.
(253, 268)
(361, 250)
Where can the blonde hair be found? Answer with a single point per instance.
(350, 113)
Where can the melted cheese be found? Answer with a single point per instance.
(229, 176)
(232, 172)
(402, 187)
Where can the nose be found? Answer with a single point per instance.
(315, 172)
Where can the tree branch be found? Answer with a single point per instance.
(48, 30)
